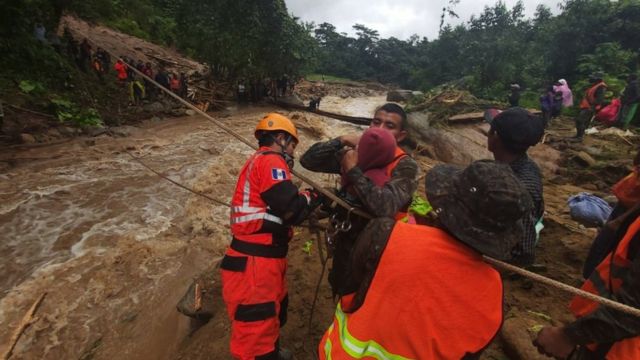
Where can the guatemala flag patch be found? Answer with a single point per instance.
(278, 174)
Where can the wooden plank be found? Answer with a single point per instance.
(468, 117)
(478, 116)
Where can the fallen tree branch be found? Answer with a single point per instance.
(24, 324)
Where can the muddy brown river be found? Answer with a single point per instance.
(113, 245)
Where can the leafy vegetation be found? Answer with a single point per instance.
(497, 47)
(256, 39)
(67, 111)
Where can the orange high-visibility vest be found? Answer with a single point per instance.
(590, 97)
(431, 298)
(399, 155)
(605, 283)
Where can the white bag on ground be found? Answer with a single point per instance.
(589, 210)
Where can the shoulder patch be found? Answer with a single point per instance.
(278, 174)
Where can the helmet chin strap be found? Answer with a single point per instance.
(283, 149)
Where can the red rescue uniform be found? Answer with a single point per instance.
(429, 299)
(254, 287)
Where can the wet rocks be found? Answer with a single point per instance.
(123, 131)
(154, 107)
(94, 131)
(54, 133)
(67, 130)
(27, 138)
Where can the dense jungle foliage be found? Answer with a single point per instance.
(250, 38)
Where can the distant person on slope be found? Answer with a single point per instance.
(630, 98)
(136, 91)
(121, 70)
(592, 102)
(85, 54)
(514, 96)
(567, 95)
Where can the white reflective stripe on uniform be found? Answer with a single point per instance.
(247, 209)
(246, 191)
(257, 216)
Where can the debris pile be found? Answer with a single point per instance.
(449, 102)
(307, 90)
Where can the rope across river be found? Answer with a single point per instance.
(498, 264)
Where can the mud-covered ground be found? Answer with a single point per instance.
(115, 247)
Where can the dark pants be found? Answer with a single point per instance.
(582, 121)
(602, 245)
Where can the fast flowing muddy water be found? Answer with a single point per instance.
(113, 245)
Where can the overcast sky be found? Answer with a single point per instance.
(399, 18)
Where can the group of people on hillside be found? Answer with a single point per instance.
(138, 88)
(410, 284)
(594, 105)
(616, 112)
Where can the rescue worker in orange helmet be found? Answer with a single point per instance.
(264, 206)
(601, 332)
(424, 292)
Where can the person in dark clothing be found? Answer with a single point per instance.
(546, 105)
(150, 89)
(592, 102)
(104, 59)
(630, 98)
(130, 73)
(162, 78)
(85, 55)
(556, 108)
(511, 134)
(514, 96)
(601, 332)
(337, 156)
(314, 103)
(182, 91)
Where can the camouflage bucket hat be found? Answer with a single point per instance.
(481, 205)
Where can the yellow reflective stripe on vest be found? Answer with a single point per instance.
(327, 349)
(356, 348)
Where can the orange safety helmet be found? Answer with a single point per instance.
(277, 122)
